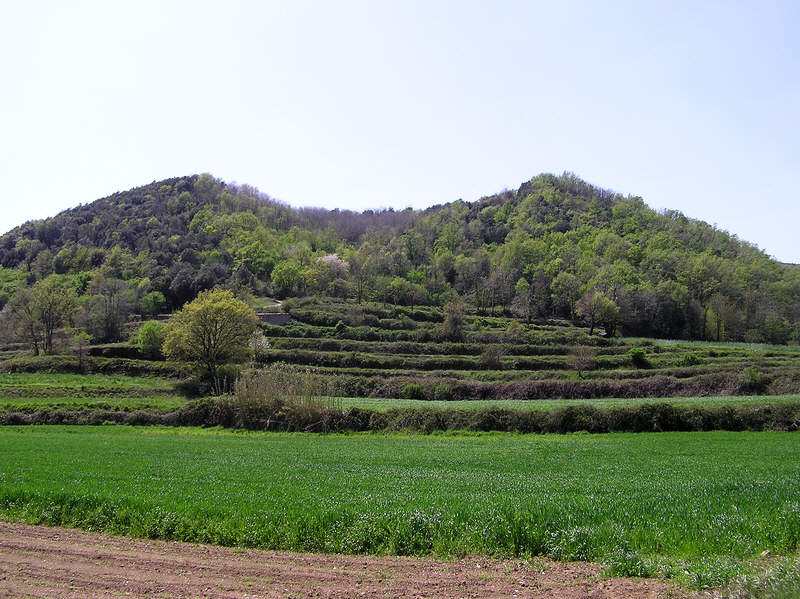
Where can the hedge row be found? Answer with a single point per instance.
(442, 348)
(95, 365)
(655, 386)
(642, 418)
(563, 336)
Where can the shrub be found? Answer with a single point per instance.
(225, 377)
(412, 391)
(151, 337)
(491, 358)
(281, 397)
(340, 329)
(690, 359)
(752, 379)
(639, 358)
(442, 392)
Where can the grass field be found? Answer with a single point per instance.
(697, 507)
(160, 403)
(30, 392)
(80, 385)
(382, 404)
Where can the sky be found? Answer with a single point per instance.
(694, 106)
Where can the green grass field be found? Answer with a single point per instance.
(30, 392)
(160, 403)
(381, 404)
(697, 507)
(41, 384)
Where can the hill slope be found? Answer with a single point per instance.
(555, 247)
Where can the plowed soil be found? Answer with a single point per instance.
(36, 561)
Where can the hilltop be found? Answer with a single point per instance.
(555, 248)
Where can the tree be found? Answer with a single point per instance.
(108, 308)
(566, 291)
(152, 303)
(453, 328)
(361, 268)
(37, 312)
(524, 299)
(596, 308)
(286, 277)
(151, 338)
(212, 330)
(582, 357)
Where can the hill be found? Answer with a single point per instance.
(555, 248)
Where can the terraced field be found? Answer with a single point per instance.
(31, 392)
(398, 352)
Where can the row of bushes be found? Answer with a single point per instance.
(286, 417)
(747, 382)
(443, 348)
(408, 362)
(350, 311)
(562, 336)
(491, 359)
(95, 365)
(331, 319)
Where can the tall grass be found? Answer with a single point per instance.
(283, 396)
(781, 581)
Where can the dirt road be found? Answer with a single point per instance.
(36, 561)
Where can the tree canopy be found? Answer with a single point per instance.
(213, 329)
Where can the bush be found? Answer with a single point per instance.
(281, 397)
(340, 329)
(412, 391)
(752, 380)
(491, 358)
(442, 392)
(690, 359)
(151, 337)
(639, 358)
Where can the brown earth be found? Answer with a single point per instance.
(37, 561)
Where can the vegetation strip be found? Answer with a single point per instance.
(312, 416)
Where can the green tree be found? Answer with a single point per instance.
(524, 299)
(595, 308)
(566, 291)
(151, 338)
(212, 330)
(453, 328)
(152, 303)
(287, 277)
(39, 311)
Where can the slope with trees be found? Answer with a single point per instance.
(556, 247)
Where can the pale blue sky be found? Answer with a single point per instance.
(356, 104)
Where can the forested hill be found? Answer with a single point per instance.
(555, 247)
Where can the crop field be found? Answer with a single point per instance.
(696, 507)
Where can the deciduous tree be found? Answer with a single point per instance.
(212, 330)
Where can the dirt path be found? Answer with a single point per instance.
(36, 561)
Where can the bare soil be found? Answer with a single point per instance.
(37, 561)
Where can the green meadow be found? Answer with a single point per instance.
(699, 508)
